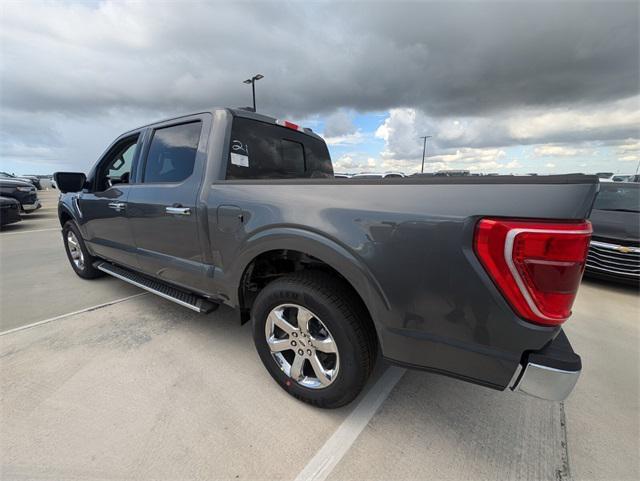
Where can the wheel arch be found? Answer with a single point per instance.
(337, 258)
(65, 216)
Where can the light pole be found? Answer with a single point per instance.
(424, 150)
(252, 81)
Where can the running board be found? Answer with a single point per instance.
(193, 302)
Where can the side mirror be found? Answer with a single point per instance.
(70, 181)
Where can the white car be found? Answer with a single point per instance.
(376, 175)
(619, 178)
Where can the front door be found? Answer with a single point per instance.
(162, 205)
(103, 207)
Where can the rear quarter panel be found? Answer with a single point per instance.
(407, 248)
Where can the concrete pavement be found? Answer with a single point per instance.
(35, 278)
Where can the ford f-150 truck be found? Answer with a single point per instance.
(471, 277)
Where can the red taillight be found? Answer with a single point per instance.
(536, 265)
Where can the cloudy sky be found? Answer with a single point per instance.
(504, 87)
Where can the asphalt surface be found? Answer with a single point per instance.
(145, 389)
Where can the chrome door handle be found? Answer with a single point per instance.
(117, 206)
(178, 210)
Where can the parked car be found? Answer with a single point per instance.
(23, 192)
(337, 175)
(634, 178)
(614, 252)
(32, 179)
(382, 175)
(9, 211)
(618, 178)
(604, 175)
(621, 177)
(471, 277)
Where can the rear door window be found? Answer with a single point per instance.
(260, 150)
(172, 153)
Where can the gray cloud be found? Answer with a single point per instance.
(444, 58)
(475, 61)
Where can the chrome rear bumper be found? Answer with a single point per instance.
(546, 382)
(550, 373)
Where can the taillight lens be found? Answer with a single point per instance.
(536, 265)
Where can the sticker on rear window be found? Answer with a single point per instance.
(240, 160)
(238, 146)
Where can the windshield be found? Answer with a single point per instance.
(620, 197)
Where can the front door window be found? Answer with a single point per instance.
(116, 168)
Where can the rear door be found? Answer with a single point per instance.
(162, 206)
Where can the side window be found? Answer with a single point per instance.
(172, 153)
(122, 164)
(116, 167)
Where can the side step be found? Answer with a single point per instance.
(193, 302)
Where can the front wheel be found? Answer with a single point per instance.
(79, 258)
(311, 335)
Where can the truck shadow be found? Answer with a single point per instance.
(489, 431)
(489, 434)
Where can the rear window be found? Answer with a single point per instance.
(259, 150)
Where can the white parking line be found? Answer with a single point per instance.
(330, 454)
(27, 231)
(62, 316)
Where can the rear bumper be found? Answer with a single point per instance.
(550, 373)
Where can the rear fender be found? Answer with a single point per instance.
(322, 248)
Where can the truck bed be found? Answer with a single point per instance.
(406, 246)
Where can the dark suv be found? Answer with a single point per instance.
(23, 192)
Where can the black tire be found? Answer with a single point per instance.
(334, 302)
(87, 271)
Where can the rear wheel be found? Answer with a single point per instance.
(79, 258)
(312, 337)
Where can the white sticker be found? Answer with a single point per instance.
(238, 159)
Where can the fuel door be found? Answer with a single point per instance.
(230, 218)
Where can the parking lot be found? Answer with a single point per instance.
(119, 384)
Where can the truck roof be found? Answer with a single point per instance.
(236, 112)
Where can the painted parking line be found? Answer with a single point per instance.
(28, 231)
(330, 454)
(69, 314)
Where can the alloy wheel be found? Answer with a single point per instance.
(74, 249)
(302, 346)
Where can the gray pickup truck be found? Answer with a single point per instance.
(470, 277)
